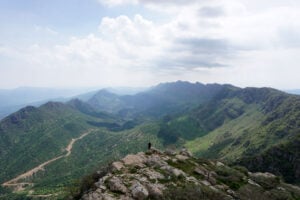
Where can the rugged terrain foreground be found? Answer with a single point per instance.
(171, 175)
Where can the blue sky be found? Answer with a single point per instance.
(68, 17)
(80, 43)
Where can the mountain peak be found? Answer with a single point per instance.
(170, 175)
(105, 92)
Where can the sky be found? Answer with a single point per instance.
(138, 43)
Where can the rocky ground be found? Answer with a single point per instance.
(171, 175)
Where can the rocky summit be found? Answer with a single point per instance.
(178, 175)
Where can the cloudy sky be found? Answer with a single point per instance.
(72, 43)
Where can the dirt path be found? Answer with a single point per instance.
(14, 182)
(70, 146)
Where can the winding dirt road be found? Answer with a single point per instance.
(19, 186)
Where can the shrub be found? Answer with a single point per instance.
(87, 183)
(192, 192)
(231, 177)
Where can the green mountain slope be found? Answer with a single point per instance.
(34, 135)
(220, 121)
(241, 126)
(246, 124)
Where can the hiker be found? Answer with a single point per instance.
(149, 145)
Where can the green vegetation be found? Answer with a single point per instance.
(218, 181)
(192, 192)
(254, 127)
(242, 125)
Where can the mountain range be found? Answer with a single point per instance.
(11, 100)
(254, 127)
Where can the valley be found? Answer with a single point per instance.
(18, 186)
(55, 144)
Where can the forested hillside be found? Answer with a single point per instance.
(248, 126)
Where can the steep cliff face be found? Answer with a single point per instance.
(171, 175)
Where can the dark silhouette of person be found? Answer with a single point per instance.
(149, 145)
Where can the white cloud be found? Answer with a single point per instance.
(210, 41)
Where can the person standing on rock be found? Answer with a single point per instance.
(149, 145)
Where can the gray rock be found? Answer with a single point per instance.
(201, 171)
(155, 161)
(181, 157)
(135, 160)
(205, 182)
(98, 196)
(231, 193)
(108, 197)
(103, 187)
(173, 171)
(219, 164)
(115, 184)
(178, 172)
(253, 183)
(265, 175)
(102, 180)
(138, 191)
(185, 152)
(214, 188)
(222, 187)
(155, 151)
(155, 190)
(192, 179)
(170, 152)
(124, 197)
(117, 166)
(153, 175)
(212, 180)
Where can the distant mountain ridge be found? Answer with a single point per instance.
(156, 101)
(14, 99)
(296, 91)
(236, 125)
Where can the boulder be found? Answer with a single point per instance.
(155, 151)
(170, 152)
(205, 182)
(185, 152)
(173, 171)
(115, 184)
(117, 166)
(155, 161)
(107, 197)
(219, 164)
(153, 175)
(138, 191)
(135, 160)
(155, 190)
(181, 157)
(201, 171)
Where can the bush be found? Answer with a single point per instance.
(267, 182)
(231, 177)
(192, 192)
(87, 183)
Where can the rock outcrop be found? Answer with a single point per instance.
(157, 175)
